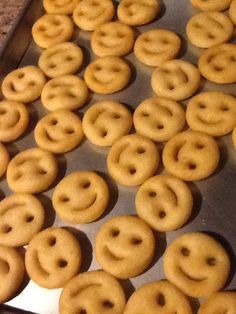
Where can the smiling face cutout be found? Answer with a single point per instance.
(207, 29)
(112, 39)
(164, 202)
(218, 64)
(132, 160)
(157, 46)
(175, 79)
(211, 5)
(32, 171)
(12, 270)
(91, 292)
(105, 122)
(60, 6)
(59, 132)
(220, 302)
(53, 257)
(212, 112)
(21, 217)
(65, 92)
(124, 246)
(159, 118)
(157, 297)
(4, 159)
(191, 155)
(23, 84)
(197, 264)
(137, 12)
(52, 29)
(107, 75)
(81, 197)
(14, 119)
(61, 59)
(89, 14)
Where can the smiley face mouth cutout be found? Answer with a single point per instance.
(190, 277)
(89, 13)
(76, 293)
(11, 123)
(103, 81)
(93, 201)
(111, 255)
(205, 121)
(54, 34)
(150, 52)
(108, 46)
(51, 138)
(39, 264)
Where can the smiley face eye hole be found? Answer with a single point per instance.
(136, 241)
(52, 65)
(115, 233)
(69, 58)
(56, 22)
(210, 36)
(2, 111)
(211, 261)
(218, 68)
(102, 33)
(86, 185)
(202, 106)
(62, 263)
(145, 114)
(120, 35)
(98, 68)
(6, 228)
(171, 87)
(115, 69)
(17, 176)
(147, 39)
(132, 170)
(42, 171)
(42, 28)
(152, 194)
(116, 116)
(69, 130)
(52, 241)
(21, 75)
(200, 146)
(197, 25)
(82, 311)
(51, 96)
(160, 126)
(107, 304)
(162, 214)
(192, 166)
(64, 198)
(4, 266)
(165, 41)
(54, 121)
(233, 58)
(29, 218)
(184, 251)
(32, 83)
(224, 108)
(161, 299)
(94, 3)
(141, 150)
(104, 133)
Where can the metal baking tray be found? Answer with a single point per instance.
(214, 198)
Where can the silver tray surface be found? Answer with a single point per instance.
(214, 198)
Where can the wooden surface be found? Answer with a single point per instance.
(9, 9)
